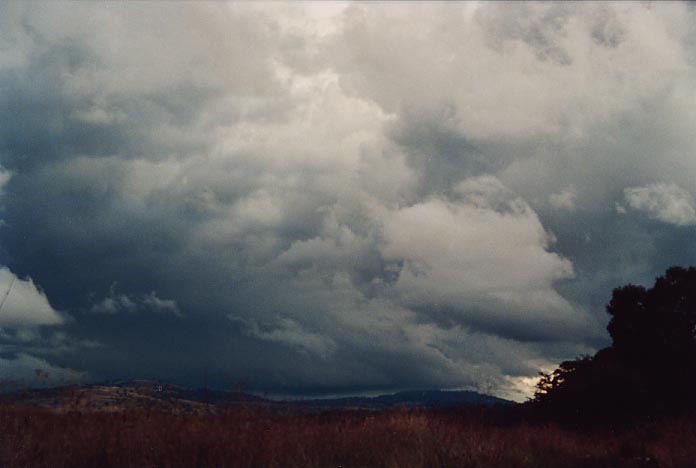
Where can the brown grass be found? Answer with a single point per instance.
(248, 437)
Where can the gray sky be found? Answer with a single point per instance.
(321, 198)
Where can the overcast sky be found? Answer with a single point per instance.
(322, 198)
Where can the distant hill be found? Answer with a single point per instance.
(413, 398)
(131, 394)
(125, 395)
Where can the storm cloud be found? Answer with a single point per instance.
(336, 197)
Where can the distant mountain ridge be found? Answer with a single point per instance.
(414, 398)
(130, 394)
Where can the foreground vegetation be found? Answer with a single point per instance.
(254, 437)
(649, 370)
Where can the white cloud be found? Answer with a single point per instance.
(157, 304)
(27, 370)
(116, 302)
(564, 200)
(510, 70)
(476, 254)
(665, 202)
(25, 305)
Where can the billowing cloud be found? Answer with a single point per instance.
(484, 256)
(115, 302)
(23, 304)
(337, 197)
(665, 202)
(26, 370)
(564, 200)
(513, 70)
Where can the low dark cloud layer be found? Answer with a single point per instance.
(336, 197)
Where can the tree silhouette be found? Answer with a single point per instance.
(649, 370)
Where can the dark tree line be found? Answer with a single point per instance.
(648, 372)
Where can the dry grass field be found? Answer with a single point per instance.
(257, 437)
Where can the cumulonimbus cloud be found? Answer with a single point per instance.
(665, 202)
(384, 196)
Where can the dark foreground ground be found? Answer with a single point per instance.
(248, 436)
